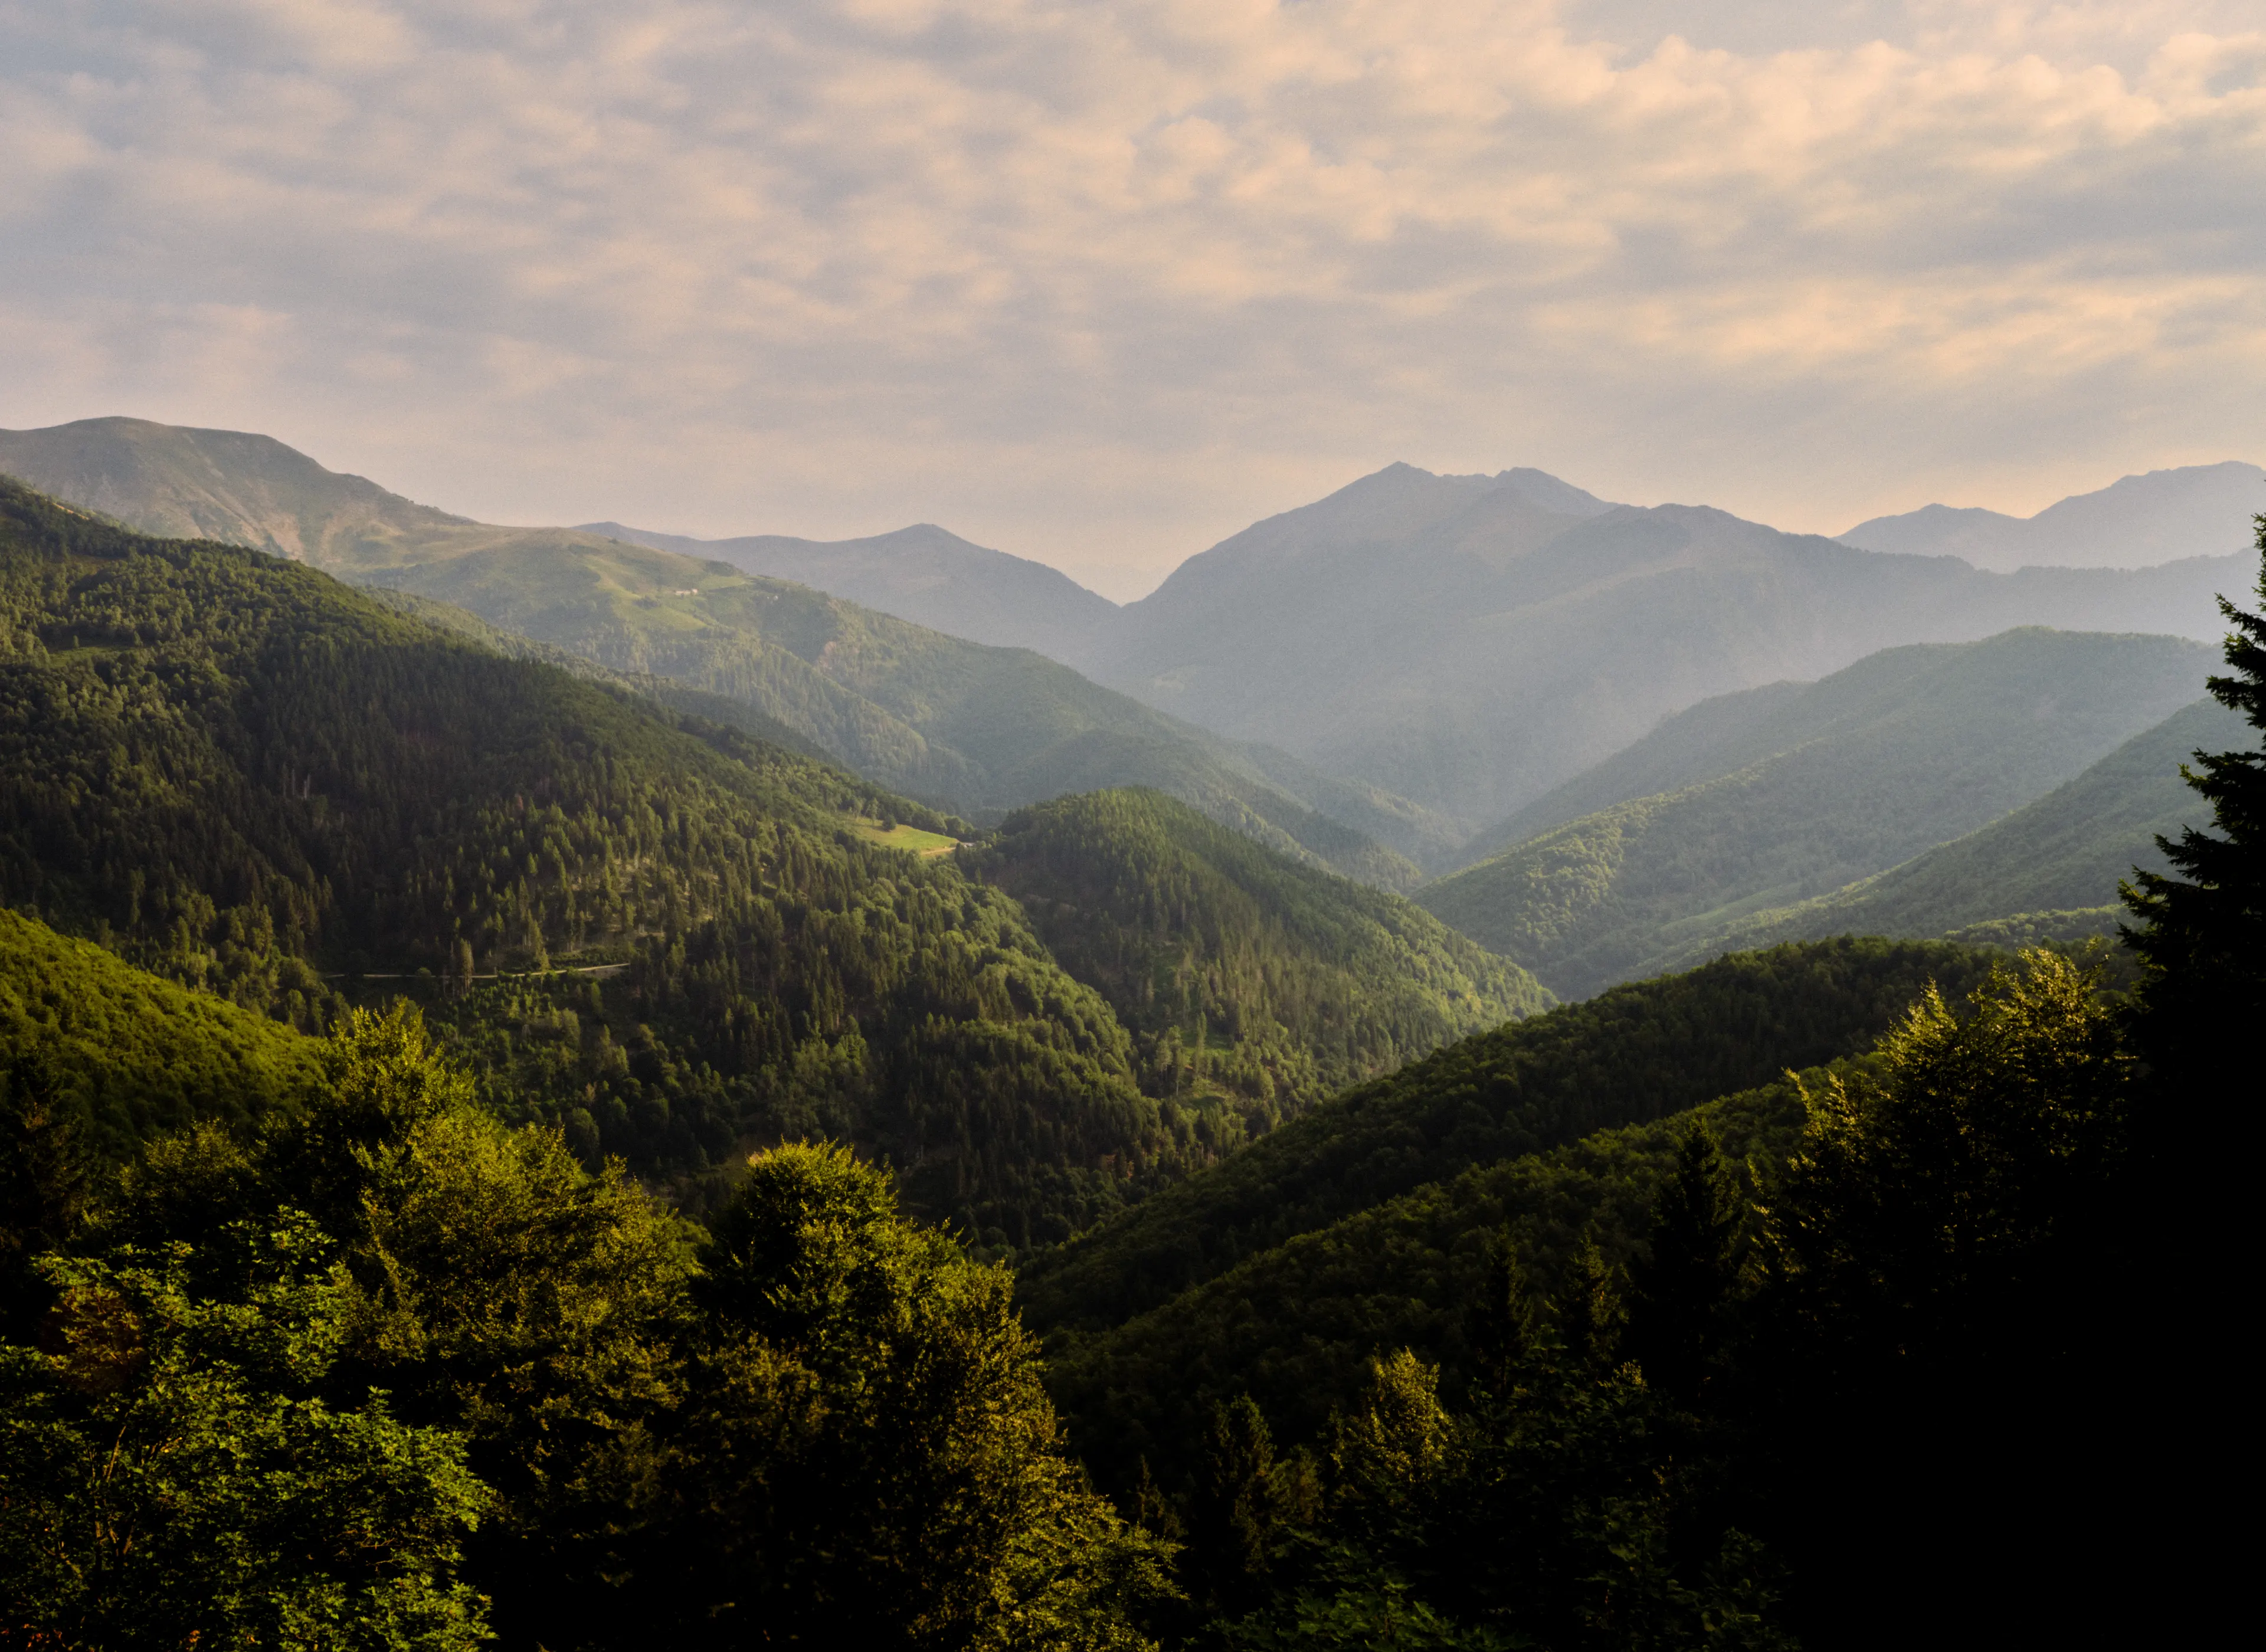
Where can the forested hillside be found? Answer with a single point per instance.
(1241, 974)
(921, 713)
(1788, 795)
(1633, 1054)
(1295, 1325)
(246, 776)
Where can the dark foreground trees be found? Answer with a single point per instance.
(1870, 1407)
(397, 1375)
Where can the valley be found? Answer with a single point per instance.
(1483, 1067)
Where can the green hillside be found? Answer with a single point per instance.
(1635, 1053)
(1870, 767)
(1241, 974)
(2048, 869)
(970, 727)
(240, 774)
(134, 1055)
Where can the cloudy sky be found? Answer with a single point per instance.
(1101, 280)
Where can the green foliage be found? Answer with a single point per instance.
(866, 1453)
(394, 1367)
(174, 1476)
(1241, 974)
(1842, 780)
(1636, 1053)
(1927, 1329)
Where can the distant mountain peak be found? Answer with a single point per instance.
(2140, 521)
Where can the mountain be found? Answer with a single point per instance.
(230, 486)
(972, 728)
(922, 573)
(240, 774)
(1780, 795)
(2197, 510)
(667, 937)
(968, 726)
(1469, 643)
(1240, 973)
(2050, 869)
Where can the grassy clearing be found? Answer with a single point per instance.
(911, 838)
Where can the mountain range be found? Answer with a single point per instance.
(509, 1120)
(1470, 642)
(972, 728)
(1762, 800)
(2197, 510)
(1412, 658)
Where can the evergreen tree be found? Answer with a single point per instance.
(2202, 932)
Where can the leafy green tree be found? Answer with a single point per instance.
(1559, 1512)
(865, 1455)
(173, 1476)
(1943, 1263)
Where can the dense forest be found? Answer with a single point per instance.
(490, 1158)
(1237, 971)
(252, 779)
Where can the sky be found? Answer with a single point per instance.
(1101, 281)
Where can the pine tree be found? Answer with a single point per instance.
(2202, 933)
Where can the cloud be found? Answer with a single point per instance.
(1099, 281)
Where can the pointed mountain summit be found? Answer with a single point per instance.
(2197, 510)
(1471, 641)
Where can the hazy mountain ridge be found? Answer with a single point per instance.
(922, 574)
(1859, 773)
(970, 726)
(1409, 657)
(2197, 510)
(2050, 868)
(1446, 638)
